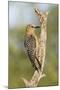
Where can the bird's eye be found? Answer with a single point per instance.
(32, 26)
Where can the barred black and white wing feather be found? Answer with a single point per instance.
(30, 45)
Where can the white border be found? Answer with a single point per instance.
(4, 43)
(41, 1)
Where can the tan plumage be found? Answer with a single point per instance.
(31, 45)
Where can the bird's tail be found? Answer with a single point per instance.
(38, 64)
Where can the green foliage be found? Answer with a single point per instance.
(19, 64)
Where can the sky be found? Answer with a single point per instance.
(22, 13)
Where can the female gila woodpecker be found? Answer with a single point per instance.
(30, 44)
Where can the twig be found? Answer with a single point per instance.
(34, 81)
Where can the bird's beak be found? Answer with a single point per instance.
(37, 26)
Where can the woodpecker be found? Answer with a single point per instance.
(31, 44)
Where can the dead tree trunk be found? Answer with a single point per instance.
(42, 50)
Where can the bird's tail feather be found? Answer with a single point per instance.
(39, 64)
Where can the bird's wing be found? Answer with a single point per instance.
(30, 45)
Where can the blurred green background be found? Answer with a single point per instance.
(21, 14)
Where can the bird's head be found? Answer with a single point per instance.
(31, 28)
